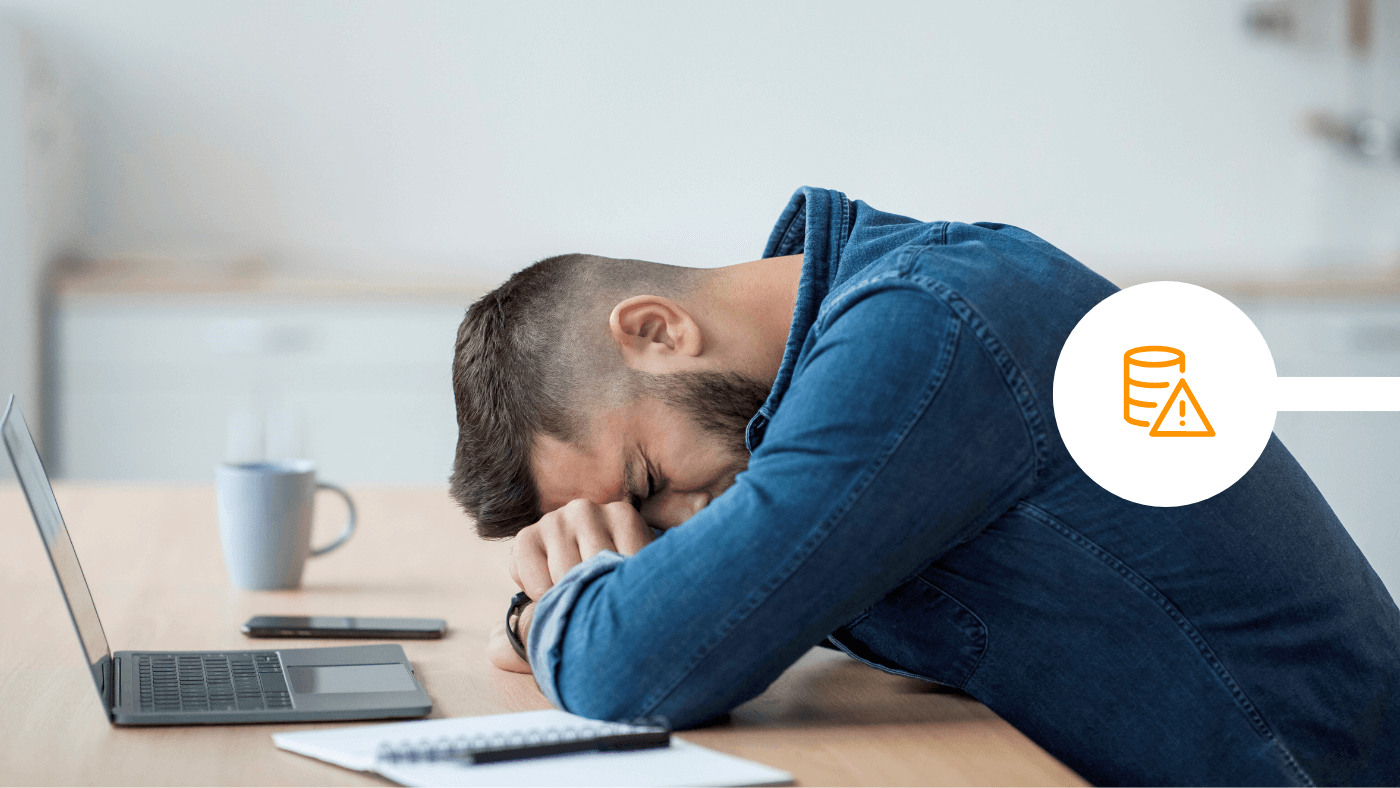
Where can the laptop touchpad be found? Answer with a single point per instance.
(386, 677)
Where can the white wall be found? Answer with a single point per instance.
(160, 388)
(482, 136)
(42, 195)
(16, 301)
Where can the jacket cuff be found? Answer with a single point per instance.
(546, 637)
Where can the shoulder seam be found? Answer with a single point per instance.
(1012, 376)
(1015, 380)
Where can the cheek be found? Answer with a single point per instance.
(669, 510)
(691, 459)
(707, 470)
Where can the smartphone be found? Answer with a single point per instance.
(343, 627)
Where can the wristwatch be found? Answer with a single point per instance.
(517, 604)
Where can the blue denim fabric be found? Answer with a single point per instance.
(546, 638)
(909, 496)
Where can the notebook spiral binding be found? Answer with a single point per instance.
(530, 742)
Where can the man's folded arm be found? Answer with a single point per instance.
(901, 435)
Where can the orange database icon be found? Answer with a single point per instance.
(1140, 401)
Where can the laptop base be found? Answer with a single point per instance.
(268, 685)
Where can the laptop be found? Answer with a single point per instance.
(210, 687)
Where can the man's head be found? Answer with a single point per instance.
(586, 377)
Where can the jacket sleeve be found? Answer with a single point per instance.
(904, 432)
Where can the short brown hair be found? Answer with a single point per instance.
(528, 355)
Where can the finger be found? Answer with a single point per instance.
(629, 531)
(531, 564)
(561, 551)
(522, 624)
(510, 564)
(594, 538)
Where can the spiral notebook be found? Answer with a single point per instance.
(361, 748)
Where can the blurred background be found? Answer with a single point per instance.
(231, 230)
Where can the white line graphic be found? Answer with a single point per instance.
(1337, 394)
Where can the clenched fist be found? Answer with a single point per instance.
(544, 552)
(566, 537)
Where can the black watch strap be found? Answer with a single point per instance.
(517, 604)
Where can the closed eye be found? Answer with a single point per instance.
(635, 496)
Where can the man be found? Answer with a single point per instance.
(851, 440)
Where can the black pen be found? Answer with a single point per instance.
(604, 737)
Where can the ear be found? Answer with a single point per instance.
(655, 334)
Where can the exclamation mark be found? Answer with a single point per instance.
(1182, 403)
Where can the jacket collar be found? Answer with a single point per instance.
(815, 224)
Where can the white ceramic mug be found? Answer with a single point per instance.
(265, 521)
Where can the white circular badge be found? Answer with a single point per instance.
(1163, 394)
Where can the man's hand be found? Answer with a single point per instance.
(547, 550)
(499, 649)
(566, 537)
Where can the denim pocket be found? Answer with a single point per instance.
(918, 630)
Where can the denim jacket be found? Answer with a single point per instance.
(909, 500)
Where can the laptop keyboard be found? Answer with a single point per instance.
(239, 681)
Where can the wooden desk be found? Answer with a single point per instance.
(151, 556)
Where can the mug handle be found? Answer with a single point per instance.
(349, 522)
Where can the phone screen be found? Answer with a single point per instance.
(343, 626)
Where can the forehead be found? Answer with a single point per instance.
(595, 471)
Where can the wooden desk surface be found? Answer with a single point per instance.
(151, 556)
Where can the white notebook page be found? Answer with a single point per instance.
(682, 763)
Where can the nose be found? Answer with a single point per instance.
(670, 509)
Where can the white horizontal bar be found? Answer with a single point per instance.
(1337, 394)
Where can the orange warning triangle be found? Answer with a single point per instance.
(1178, 422)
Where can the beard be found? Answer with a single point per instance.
(720, 403)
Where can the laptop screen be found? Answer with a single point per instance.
(35, 483)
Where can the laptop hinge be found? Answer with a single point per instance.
(116, 686)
